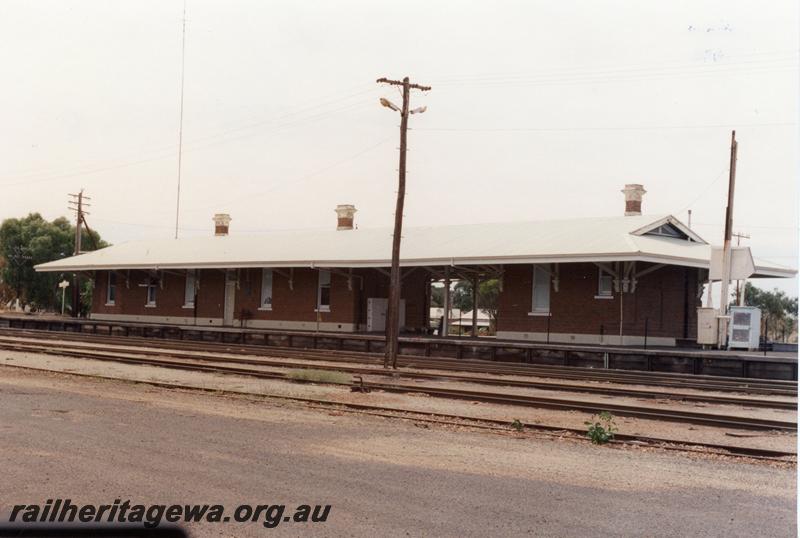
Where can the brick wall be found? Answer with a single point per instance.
(131, 295)
(665, 297)
(298, 304)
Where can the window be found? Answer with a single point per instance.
(190, 289)
(152, 284)
(111, 289)
(668, 230)
(324, 291)
(266, 289)
(541, 289)
(605, 284)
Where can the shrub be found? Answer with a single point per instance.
(601, 428)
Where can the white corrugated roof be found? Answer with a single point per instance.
(567, 240)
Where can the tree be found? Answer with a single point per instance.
(6, 293)
(461, 296)
(30, 241)
(778, 310)
(437, 296)
(488, 293)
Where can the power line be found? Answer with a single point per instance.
(593, 68)
(611, 80)
(605, 128)
(167, 152)
(704, 191)
(795, 228)
(300, 179)
(595, 75)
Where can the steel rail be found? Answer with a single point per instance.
(751, 385)
(619, 376)
(590, 389)
(710, 419)
(477, 366)
(474, 422)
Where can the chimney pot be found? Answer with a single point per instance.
(221, 223)
(633, 199)
(344, 216)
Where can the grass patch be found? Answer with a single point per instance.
(319, 376)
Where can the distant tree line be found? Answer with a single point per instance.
(778, 311)
(461, 298)
(29, 241)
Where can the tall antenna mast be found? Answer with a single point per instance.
(180, 128)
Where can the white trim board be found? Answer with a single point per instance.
(595, 339)
(325, 326)
(158, 320)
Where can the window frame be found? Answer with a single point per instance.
(668, 230)
(544, 269)
(191, 276)
(111, 289)
(601, 274)
(267, 275)
(320, 285)
(152, 284)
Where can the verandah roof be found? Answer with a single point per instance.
(552, 241)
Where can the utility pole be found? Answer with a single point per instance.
(77, 205)
(740, 284)
(726, 248)
(392, 317)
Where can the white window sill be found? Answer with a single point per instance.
(265, 308)
(603, 296)
(323, 309)
(111, 304)
(188, 307)
(150, 305)
(539, 313)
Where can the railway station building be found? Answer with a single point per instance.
(605, 280)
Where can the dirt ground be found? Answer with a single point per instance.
(95, 440)
(415, 402)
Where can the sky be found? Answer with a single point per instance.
(538, 110)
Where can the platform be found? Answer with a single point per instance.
(668, 360)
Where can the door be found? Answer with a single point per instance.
(230, 298)
(376, 314)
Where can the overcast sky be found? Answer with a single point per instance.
(538, 110)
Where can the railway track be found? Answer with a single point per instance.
(493, 424)
(659, 379)
(489, 381)
(637, 411)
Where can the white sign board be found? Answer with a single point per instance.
(742, 265)
(63, 284)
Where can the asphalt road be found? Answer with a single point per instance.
(94, 442)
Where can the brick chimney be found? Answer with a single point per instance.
(344, 216)
(221, 223)
(633, 199)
